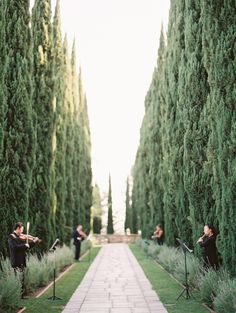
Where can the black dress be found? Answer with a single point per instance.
(210, 254)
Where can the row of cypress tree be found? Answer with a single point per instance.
(185, 168)
(45, 162)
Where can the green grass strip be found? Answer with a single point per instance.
(166, 287)
(65, 287)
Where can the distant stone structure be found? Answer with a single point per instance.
(103, 239)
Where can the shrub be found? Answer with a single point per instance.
(97, 224)
(153, 250)
(193, 267)
(10, 288)
(169, 258)
(208, 284)
(39, 272)
(225, 300)
(145, 244)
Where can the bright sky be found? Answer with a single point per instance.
(117, 43)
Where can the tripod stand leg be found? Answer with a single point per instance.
(54, 297)
(181, 294)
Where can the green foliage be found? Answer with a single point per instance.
(110, 229)
(184, 172)
(225, 301)
(18, 142)
(40, 271)
(216, 288)
(10, 288)
(97, 224)
(209, 282)
(128, 213)
(41, 187)
(45, 143)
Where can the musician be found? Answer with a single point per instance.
(18, 248)
(208, 243)
(78, 237)
(159, 234)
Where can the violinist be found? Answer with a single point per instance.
(208, 243)
(18, 248)
(78, 237)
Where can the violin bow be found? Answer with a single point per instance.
(27, 232)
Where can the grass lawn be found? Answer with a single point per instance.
(65, 287)
(166, 287)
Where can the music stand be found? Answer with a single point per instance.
(53, 249)
(186, 291)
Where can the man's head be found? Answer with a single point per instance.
(18, 228)
(79, 227)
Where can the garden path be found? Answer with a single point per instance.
(115, 283)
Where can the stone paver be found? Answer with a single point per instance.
(115, 283)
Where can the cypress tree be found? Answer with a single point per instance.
(96, 211)
(85, 170)
(127, 207)
(19, 138)
(77, 216)
(60, 125)
(110, 229)
(69, 149)
(187, 138)
(2, 61)
(43, 107)
(193, 91)
(219, 58)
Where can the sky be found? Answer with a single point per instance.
(116, 43)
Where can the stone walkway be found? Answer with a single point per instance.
(115, 283)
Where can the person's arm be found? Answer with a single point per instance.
(15, 246)
(84, 236)
(206, 242)
(160, 233)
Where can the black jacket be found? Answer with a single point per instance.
(77, 238)
(17, 249)
(210, 254)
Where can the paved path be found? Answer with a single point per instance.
(115, 283)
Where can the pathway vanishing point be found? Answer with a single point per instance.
(115, 283)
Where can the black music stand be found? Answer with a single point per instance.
(186, 291)
(53, 249)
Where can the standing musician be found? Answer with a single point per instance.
(159, 234)
(208, 243)
(78, 237)
(18, 248)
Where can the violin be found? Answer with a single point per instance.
(30, 238)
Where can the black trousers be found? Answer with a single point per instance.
(77, 250)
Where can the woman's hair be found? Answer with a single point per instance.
(160, 226)
(213, 229)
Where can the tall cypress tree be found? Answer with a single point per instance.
(2, 61)
(69, 149)
(219, 58)
(60, 125)
(19, 138)
(85, 170)
(193, 91)
(43, 107)
(96, 211)
(110, 229)
(127, 207)
(77, 216)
